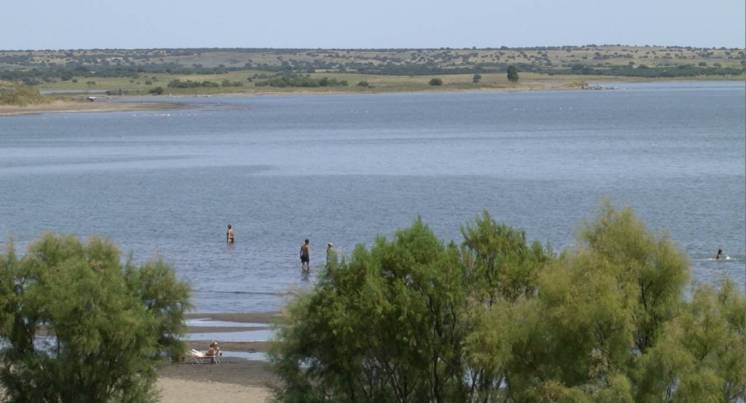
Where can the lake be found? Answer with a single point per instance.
(344, 168)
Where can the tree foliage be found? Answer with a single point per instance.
(497, 319)
(299, 80)
(513, 74)
(77, 325)
(19, 95)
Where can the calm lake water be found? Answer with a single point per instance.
(344, 168)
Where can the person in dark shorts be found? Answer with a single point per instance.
(229, 234)
(305, 256)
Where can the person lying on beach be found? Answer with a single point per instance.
(213, 351)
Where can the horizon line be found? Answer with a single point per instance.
(590, 45)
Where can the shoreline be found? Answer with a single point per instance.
(85, 107)
(134, 103)
(257, 321)
(234, 379)
(532, 86)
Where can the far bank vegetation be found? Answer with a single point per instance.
(212, 71)
(19, 95)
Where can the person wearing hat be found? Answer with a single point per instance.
(331, 254)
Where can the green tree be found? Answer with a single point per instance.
(436, 82)
(19, 95)
(406, 296)
(79, 326)
(156, 91)
(476, 78)
(512, 74)
(501, 320)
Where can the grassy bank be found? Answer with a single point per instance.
(250, 82)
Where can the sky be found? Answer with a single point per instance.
(83, 24)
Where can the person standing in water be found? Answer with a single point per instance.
(331, 254)
(305, 256)
(229, 235)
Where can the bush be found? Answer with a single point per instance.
(19, 95)
(498, 319)
(294, 80)
(77, 325)
(156, 91)
(363, 83)
(229, 83)
(476, 78)
(436, 82)
(513, 74)
(192, 84)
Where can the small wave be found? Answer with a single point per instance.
(244, 292)
(722, 259)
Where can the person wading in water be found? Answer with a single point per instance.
(305, 257)
(229, 235)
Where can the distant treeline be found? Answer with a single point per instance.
(683, 70)
(293, 74)
(296, 80)
(37, 75)
(203, 84)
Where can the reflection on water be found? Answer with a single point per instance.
(249, 336)
(251, 356)
(343, 169)
(222, 323)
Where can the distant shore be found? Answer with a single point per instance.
(171, 100)
(74, 106)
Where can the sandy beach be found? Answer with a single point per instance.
(73, 106)
(232, 380)
(178, 391)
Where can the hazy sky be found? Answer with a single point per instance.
(56, 24)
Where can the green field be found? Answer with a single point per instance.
(139, 71)
(376, 83)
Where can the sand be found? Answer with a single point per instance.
(72, 106)
(233, 380)
(179, 391)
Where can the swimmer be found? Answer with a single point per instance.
(229, 234)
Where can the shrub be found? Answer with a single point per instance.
(192, 84)
(513, 74)
(499, 319)
(77, 325)
(295, 80)
(19, 95)
(436, 82)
